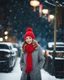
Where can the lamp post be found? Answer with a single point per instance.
(55, 24)
(34, 3)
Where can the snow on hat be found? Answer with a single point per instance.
(29, 32)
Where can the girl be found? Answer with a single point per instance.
(32, 59)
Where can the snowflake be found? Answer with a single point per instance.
(10, 10)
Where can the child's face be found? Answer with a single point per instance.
(28, 40)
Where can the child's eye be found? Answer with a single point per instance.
(29, 37)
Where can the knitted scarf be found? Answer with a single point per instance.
(29, 49)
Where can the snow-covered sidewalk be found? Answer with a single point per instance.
(16, 74)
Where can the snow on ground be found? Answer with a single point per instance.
(46, 76)
(16, 74)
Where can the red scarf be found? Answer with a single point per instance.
(29, 49)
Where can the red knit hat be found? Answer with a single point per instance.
(29, 32)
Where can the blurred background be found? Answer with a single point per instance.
(17, 15)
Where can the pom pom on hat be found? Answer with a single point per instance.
(29, 29)
(29, 32)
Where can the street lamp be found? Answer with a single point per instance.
(34, 3)
(50, 17)
(6, 37)
(6, 32)
(45, 11)
(1, 39)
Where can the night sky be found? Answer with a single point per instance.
(17, 15)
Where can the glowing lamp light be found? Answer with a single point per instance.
(6, 37)
(1, 39)
(34, 3)
(50, 17)
(45, 11)
(6, 32)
